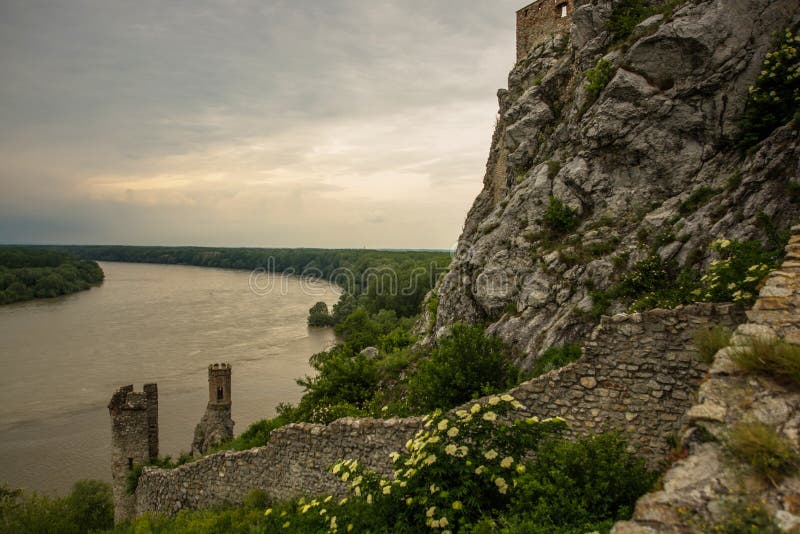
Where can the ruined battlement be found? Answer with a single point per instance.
(541, 20)
(134, 439)
(219, 384)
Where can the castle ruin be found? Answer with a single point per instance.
(216, 425)
(134, 440)
(539, 21)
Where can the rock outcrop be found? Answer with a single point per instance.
(663, 127)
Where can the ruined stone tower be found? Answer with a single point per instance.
(134, 441)
(539, 21)
(216, 425)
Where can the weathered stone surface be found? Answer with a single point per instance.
(662, 127)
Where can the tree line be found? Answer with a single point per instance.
(31, 272)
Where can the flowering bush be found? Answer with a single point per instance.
(459, 467)
(735, 276)
(775, 97)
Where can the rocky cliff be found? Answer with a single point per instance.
(625, 156)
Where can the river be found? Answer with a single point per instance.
(61, 359)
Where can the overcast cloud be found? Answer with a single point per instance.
(330, 123)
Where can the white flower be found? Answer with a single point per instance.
(491, 454)
(506, 462)
(490, 416)
(475, 408)
(453, 432)
(494, 401)
(442, 425)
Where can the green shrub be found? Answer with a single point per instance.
(465, 364)
(555, 358)
(577, 484)
(89, 507)
(344, 377)
(770, 356)
(774, 99)
(626, 15)
(597, 79)
(759, 446)
(697, 199)
(319, 315)
(553, 168)
(743, 518)
(560, 218)
(709, 340)
(457, 468)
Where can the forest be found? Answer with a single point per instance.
(31, 272)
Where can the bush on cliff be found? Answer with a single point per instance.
(774, 98)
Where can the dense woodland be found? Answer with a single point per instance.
(28, 273)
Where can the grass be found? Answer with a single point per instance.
(697, 200)
(555, 358)
(767, 453)
(772, 357)
(710, 340)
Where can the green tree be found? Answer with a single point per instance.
(319, 315)
(466, 363)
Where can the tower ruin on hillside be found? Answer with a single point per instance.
(134, 441)
(539, 21)
(216, 425)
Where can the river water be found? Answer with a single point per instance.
(61, 359)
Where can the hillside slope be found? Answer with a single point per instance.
(646, 162)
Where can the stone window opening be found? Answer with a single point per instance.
(220, 393)
(561, 9)
(130, 464)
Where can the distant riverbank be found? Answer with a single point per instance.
(32, 273)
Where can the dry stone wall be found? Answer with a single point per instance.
(699, 491)
(638, 375)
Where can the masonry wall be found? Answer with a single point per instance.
(539, 21)
(131, 443)
(638, 375)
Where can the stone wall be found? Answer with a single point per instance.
(539, 21)
(638, 375)
(294, 462)
(699, 490)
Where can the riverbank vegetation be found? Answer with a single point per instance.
(89, 507)
(28, 273)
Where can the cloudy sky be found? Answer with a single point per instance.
(330, 123)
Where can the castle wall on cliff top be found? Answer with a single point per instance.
(539, 21)
(638, 375)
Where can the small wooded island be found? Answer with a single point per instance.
(30, 273)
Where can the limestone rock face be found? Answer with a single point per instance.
(663, 127)
(215, 427)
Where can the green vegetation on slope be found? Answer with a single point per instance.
(88, 508)
(774, 99)
(733, 277)
(27, 273)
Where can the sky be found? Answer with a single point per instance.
(299, 123)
